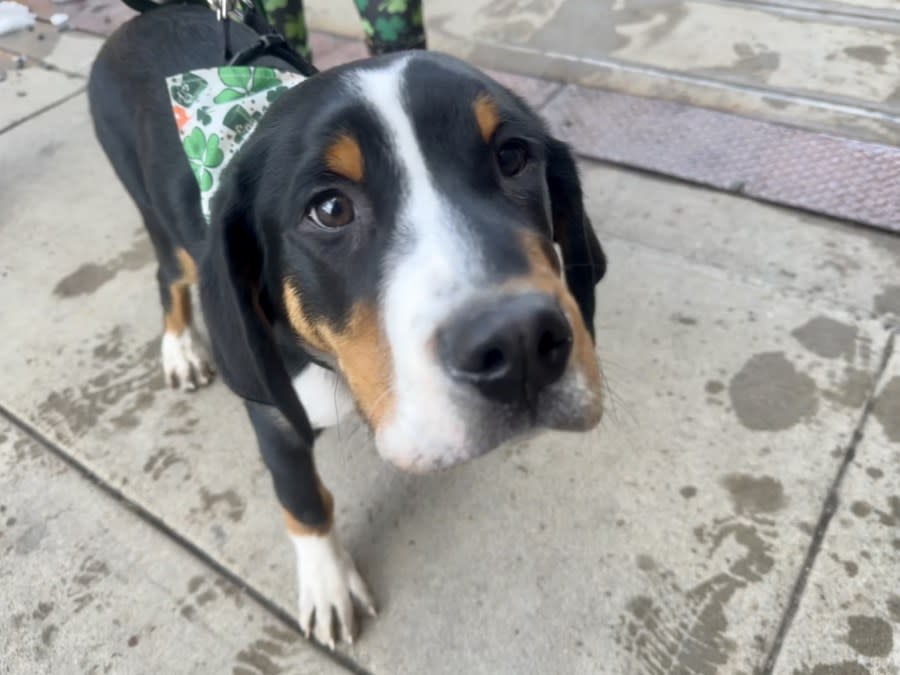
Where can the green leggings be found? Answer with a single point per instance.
(389, 25)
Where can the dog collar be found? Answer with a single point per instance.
(216, 111)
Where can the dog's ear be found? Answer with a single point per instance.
(237, 307)
(583, 258)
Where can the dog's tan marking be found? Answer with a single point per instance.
(345, 158)
(487, 115)
(546, 277)
(178, 318)
(361, 350)
(299, 529)
(188, 266)
(303, 327)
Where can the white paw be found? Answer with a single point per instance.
(327, 582)
(185, 363)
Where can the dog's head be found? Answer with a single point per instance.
(409, 222)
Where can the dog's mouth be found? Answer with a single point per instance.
(464, 425)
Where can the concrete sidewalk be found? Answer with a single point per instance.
(737, 512)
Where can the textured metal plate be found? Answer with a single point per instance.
(826, 174)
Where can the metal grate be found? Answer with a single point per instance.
(839, 177)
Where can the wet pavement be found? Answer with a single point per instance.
(737, 511)
(829, 66)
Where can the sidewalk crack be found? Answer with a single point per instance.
(176, 537)
(832, 501)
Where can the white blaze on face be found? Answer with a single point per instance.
(432, 272)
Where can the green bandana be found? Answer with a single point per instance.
(216, 110)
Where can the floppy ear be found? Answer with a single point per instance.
(237, 308)
(583, 259)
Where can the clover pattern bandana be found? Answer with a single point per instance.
(216, 110)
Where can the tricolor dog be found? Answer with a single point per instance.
(402, 230)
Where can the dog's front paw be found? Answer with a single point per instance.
(328, 581)
(185, 363)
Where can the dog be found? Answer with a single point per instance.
(400, 236)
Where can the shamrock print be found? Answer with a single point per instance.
(186, 90)
(203, 116)
(240, 82)
(239, 120)
(213, 127)
(203, 153)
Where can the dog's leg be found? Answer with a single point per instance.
(327, 578)
(184, 360)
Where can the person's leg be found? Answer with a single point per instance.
(286, 17)
(391, 25)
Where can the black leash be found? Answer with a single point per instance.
(270, 43)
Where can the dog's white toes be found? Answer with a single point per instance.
(307, 607)
(185, 363)
(360, 591)
(328, 581)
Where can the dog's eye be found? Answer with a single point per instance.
(512, 157)
(331, 209)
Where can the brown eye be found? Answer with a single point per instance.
(512, 157)
(331, 210)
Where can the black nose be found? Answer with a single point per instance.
(509, 350)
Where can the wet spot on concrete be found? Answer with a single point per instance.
(232, 503)
(873, 54)
(842, 668)
(860, 509)
(684, 320)
(714, 387)
(259, 661)
(90, 572)
(853, 391)
(888, 301)
(206, 597)
(130, 377)
(870, 635)
(752, 494)
(262, 654)
(875, 472)
(49, 149)
(43, 611)
(893, 605)
(689, 627)
(688, 491)
(887, 409)
(769, 394)
(892, 518)
(827, 337)
(48, 634)
(645, 563)
(91, 276)
(133, 641)
(851, 568)
(759, 62)
(30, 540)
(163, 459)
